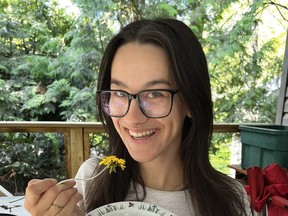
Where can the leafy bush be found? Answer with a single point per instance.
(98, 144)
(220, 152)
(27, 156)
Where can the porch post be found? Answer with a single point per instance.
(282, 110)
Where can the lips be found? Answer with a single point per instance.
(142, 134)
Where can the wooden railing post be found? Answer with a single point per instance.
(67, 144)
(86, 133)
(76, 146)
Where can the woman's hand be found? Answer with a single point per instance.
(47, 198)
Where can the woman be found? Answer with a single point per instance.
(155, 103)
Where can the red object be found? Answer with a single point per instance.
(268, 186)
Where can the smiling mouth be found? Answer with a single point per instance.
(142, 134)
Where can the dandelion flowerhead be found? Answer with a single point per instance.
(112, 162)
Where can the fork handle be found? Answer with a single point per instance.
(80, 179)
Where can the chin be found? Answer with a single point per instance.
(142, 157)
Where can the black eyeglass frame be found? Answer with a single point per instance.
(172, 92)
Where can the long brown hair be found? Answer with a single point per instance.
(212, 192)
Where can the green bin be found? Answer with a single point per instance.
(263, 145)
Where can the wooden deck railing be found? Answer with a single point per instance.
(76, 137)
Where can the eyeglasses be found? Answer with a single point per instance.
(154, 103)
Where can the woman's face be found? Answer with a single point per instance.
(137, 67)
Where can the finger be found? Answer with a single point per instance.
(32, 181)
(35, 189)
(71, 206)
(50, 195)
(62, 199)
(77, 211)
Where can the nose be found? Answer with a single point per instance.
(134, 114)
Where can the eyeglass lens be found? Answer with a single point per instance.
(153, 103)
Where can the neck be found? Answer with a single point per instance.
(160, 175)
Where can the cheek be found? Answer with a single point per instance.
(180, 109)
(176, 117)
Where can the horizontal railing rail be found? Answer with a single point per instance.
(76, 136)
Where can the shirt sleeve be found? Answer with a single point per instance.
(86, 170)
(246, 200)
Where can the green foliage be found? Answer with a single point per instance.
(99, 143)
(43, 43)
(220, 152)
(26, 156)
(47, 61)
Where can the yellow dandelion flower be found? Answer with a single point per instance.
(112, 162)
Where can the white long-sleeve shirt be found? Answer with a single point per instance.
(177, 202)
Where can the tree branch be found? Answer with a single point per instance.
(278, 6)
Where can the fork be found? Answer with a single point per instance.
(85, 179)
(110, 162)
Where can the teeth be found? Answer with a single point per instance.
(141, 134)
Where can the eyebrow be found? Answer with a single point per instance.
(148, 84)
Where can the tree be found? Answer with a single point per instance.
(243, 64)
(40, 41)
(40, 74)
